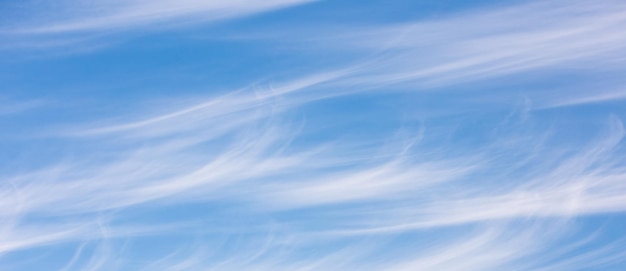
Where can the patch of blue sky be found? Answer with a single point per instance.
(312, 135)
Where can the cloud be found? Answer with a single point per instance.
(11, 107)
(89, 26)
(262, 178)
(480, 44)
(71, 16)
(196, 154)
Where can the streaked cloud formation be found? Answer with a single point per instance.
(66, 16)
(485, 137)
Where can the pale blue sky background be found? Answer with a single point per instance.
(312, 135)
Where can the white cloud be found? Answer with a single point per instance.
(70, 16)
(303, 203)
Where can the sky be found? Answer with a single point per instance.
(303, 135)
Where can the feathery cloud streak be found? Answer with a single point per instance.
(69, 16)
(349, 167)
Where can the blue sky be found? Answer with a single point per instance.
(312, 135)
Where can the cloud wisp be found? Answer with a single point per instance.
(407, 155)
(196, 155)
(72, 16)
(87, 26)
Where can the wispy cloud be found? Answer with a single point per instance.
(70, 16)
(190, 163)
(88, 25)
(10, 106)
(326, 170)
(481, 44)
